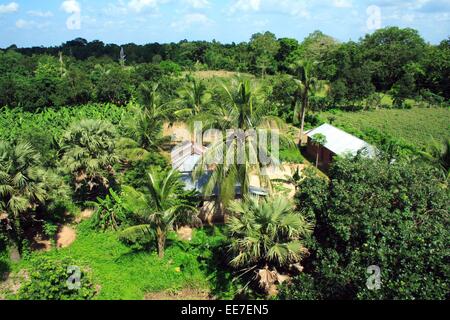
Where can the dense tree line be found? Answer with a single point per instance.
(391, 60)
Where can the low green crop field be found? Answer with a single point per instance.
(121, 273)
(416, 126)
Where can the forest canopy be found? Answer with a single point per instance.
(393, 60)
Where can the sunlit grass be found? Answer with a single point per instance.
(124, 274)
(417, 126)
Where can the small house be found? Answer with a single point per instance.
(338, 143)
(185, 158)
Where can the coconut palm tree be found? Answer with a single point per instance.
(89, 154)
(21, 185)
(235, 156)
(145, 121)
(158, 208)
(266, 234)
(307, 86)
(318, 140)
(194, 98)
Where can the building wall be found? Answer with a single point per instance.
(325, 155)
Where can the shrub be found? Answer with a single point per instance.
(307, 290)
(378, 212)
(50, 280)
(110, 212)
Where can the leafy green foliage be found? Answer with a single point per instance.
(89, 155)
(266, 232)
(157, 208)
(110, 212)
(24, 186)
(121, 273)
(48, 280)
(377, 212)
(291, 154)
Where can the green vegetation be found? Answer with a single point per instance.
(82, 127)
(266, 236)
(48, 281)
(291, 155)
(375, 212)
(119, 272)
(419, 127)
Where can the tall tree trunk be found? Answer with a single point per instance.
(317, 156)
(161, 242)
(18, 235)
(302, 117)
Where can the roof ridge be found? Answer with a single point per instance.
(342, 130)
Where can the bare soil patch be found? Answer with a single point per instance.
(184, 294)
(86, 214)
(12, 283)
(185, 233)
(65, 237)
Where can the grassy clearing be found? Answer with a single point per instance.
(416, 126)
(291, 155)
(124, 274)
(210, 74)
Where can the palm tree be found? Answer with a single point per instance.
(242, 115)
(318, 140)
(144, 125)
(266, 234)
(158, 208)
(307, 86)
(89, 155)
(21, 185)
(194, 98)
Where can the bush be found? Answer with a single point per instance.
(50, 280)
(377, 212)
(307, 291)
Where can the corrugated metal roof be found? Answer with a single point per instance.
(341, 142)
(186, 156)
(199, 185)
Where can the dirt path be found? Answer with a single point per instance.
(184, 294)
(185, 233)
(65, 237)
(84, 215)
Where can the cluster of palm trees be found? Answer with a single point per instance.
(265, 233)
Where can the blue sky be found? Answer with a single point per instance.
(51, 22)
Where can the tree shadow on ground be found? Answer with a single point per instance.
(5, 269)
(215, 265)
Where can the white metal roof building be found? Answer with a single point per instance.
(342, 143)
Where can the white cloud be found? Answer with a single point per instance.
(29, 24)
(140, 5)
(342, 3)
(198, 4)
(245, 6)
(189, 20)
(71, 6)
(9, 8)
(41, 14)
(289, 7)
(21, 23)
